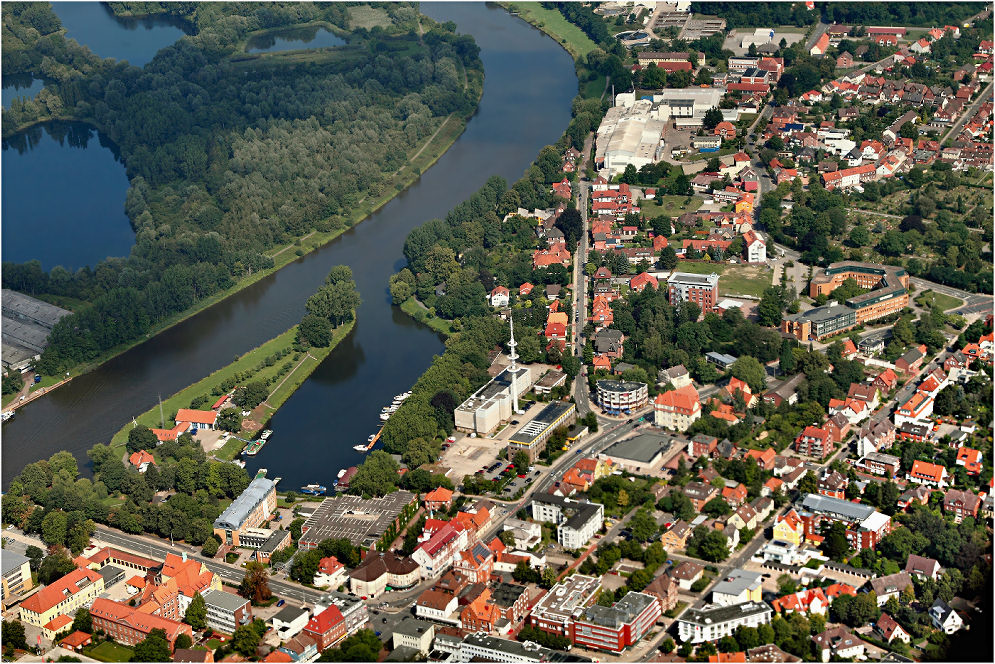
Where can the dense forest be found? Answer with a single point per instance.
(924, 14)
(229, 154)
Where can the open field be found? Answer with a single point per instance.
(368, 17)
(932, 298)
(110, 652)
(671, 206)
(733, 279)
(553, 24)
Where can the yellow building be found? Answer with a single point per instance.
(16, 578)
(789, 528)
(63, 597)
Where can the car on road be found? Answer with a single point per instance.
(281, 602)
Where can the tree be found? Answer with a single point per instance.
(54, 567)
(12, 635)
(141, 438)
(716, 507)
(183, 640)
(53, 528)
(749, 370)
(196, 615)
(363, 646)
(643, 526)
(211, 546)
(255, 583)
(155, 648)
(82, 622)
(250, 395)
(305, 566)
(771, 307)
(34, 555)
(668, 258)
(314, 331)
(245, 640)
(230, 419)
(835, 544)
(377, 475)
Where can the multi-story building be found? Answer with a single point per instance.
(564, 603)
(128, 625)
(378, 570)
(665, 589)
(755, 247)
(16, 577)
(928, 474)
(814, 442)
(532, 436)
(74, 590)
(738, 587)
(438, 552)
(226, 611)
(961, 504)
(887, 285)
(838, 642)
(865, 526)
(820, 322)
(702, 289)
(914, 411)
(415, 634)
(619, 397)
(619, 626)
(248, 510)
(677, 409)
(327, 627)
(362, 521)
(576, 521)
(699, 493)
(713, 623)
(493, 403)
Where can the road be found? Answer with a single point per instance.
(580, 282)
(973, 302)
(229, 573)
(968, 113)
(820, 27)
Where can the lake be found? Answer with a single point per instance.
(293, 39)
(524, 107)
(19, 86)
(63, 197)
(136, 40)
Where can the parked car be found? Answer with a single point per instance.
(281, 602)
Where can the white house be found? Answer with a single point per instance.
(290, 621)
(945, 618)
(755, 247)
(498, 297)
(331, 573)
(576, 521)
(713, 622)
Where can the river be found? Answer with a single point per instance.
(529, 84)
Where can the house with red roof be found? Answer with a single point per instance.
(929, 474)
(677, 409)
(890, 630)
(812, 601)
(196, 419)
(820, 45)
(556, 254)
(735, 496)
(439, 498)
(885, 381)
(562, 189)
(849, 349)
(331, 573)
(141, 460)
(660, 242)
(969, 458)
(754, 247)
(327, 628)
(735, 386)
(499, 297)
(639, 282)
(725, 129)
(525, 289)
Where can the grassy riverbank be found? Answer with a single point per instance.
(286, 375)
(552, 22)
(417, 310)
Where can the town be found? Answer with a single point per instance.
(717, 387)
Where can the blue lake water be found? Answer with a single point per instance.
(293, 39)
(63, 197)
(136, 40)
(19, 86)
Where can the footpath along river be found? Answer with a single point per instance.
(529, 84)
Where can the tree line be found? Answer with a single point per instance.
(229, 155)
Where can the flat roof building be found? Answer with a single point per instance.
(492, 404)
(564, 603)
(531, 437)
(248, 510)
(642, 454)
(26, 324)
(362, 521)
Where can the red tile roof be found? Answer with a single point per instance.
(52, 594)
(196, 416)
(325, 621)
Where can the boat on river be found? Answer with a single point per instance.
(314, 489)
(370, 442)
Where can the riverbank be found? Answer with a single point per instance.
(417, 311)
(423, 157)
(275, 361)
(552, 22)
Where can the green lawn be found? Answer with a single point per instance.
(671, 206)
(280, 391)
(733, 279)
(594, 88)
(944, 302)
(110, 652)
(551, 22)
(416, 310)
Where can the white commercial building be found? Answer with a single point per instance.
(492, 403)
(713, 622)
(576, 521)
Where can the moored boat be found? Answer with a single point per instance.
(314, 489)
